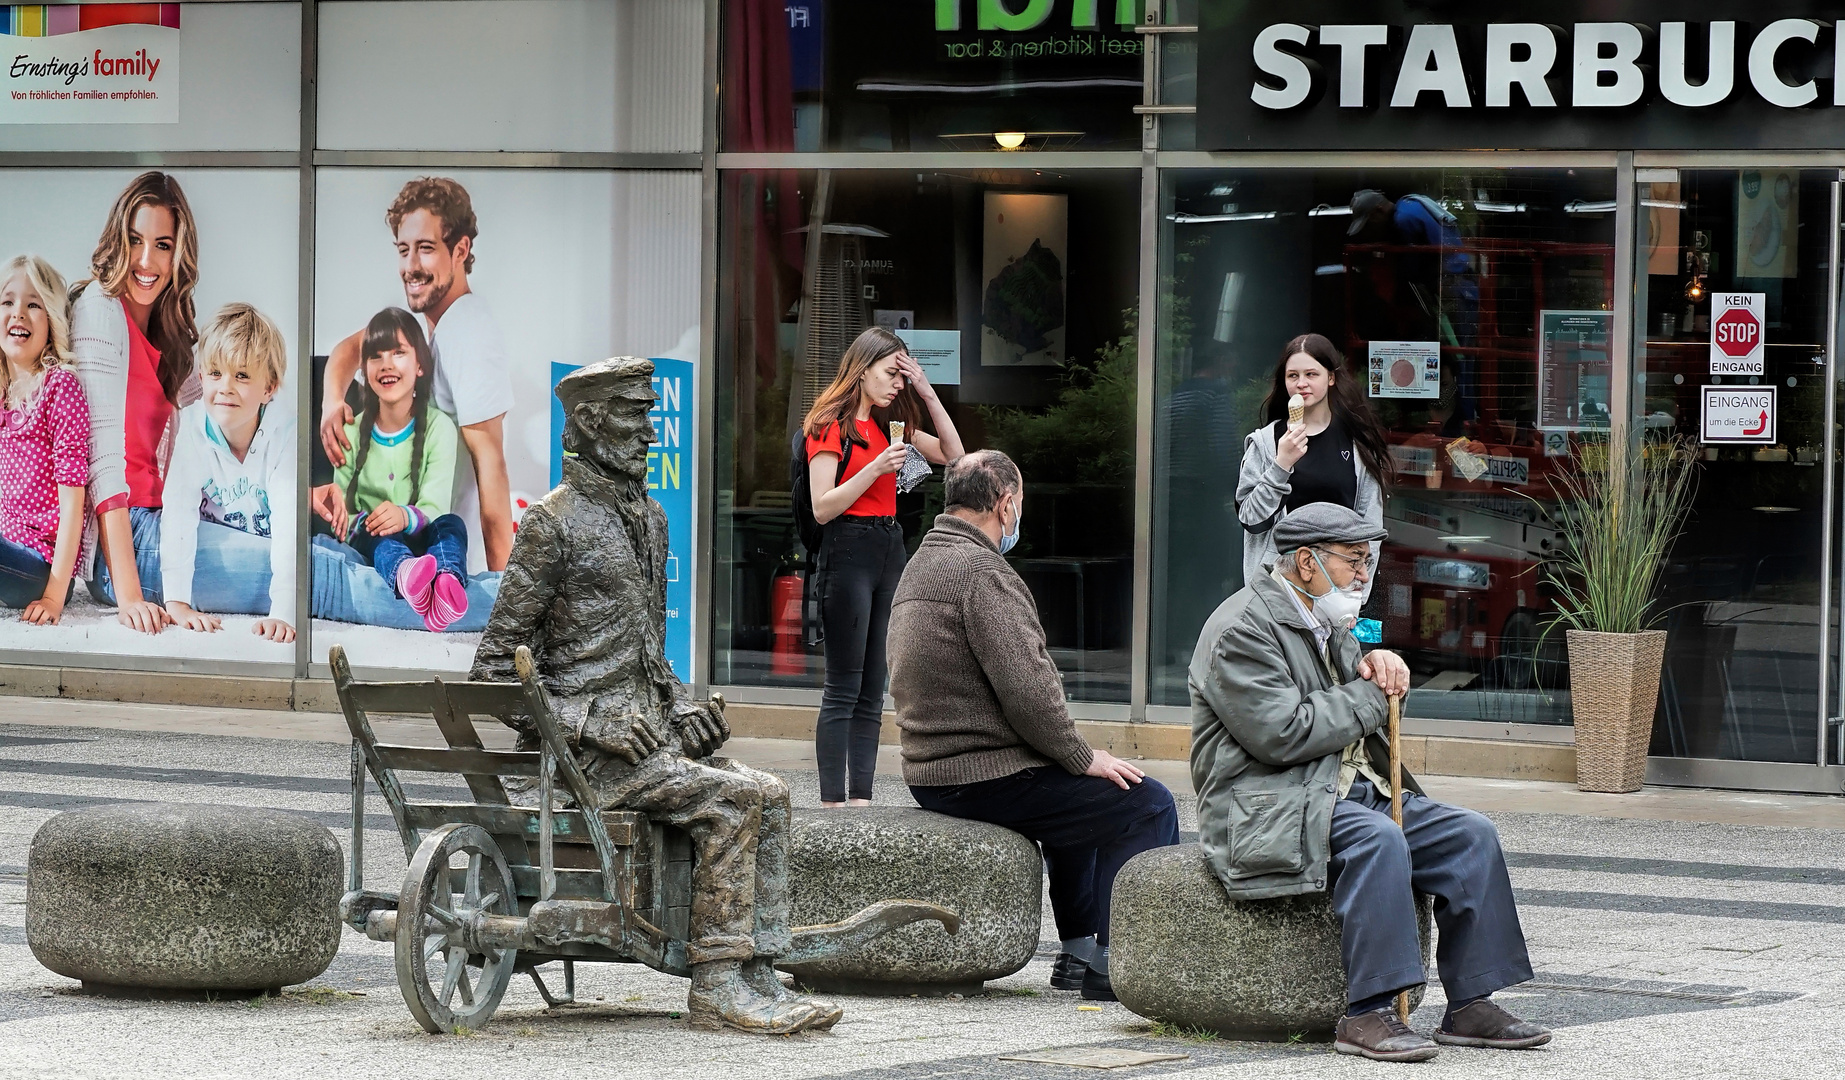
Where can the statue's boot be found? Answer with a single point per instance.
(720, 997)
(761, 976)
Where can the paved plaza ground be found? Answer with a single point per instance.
(1675, 933)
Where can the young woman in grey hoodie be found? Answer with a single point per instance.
(1335, 453)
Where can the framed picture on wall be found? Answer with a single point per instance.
(1024, 253)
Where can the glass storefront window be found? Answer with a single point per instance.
(808, 259)
(1741, 591)
(1451, 330)
(810, 75)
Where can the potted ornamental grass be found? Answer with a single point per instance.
(1618, 513)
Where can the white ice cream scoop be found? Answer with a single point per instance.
(1297, 410)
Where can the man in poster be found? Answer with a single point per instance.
(433, 225)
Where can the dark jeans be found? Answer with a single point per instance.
(1447, 852)
(1087, 825)
(23, 575)
(446, 538)
(861, 561)
(144, 524)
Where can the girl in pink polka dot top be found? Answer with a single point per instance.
(44, 442)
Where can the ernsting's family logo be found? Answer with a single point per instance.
(139, 64)
(90, 64)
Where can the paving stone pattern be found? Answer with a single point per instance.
(1665, 950)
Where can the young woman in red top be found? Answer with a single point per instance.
(133, 328)
(862, 554)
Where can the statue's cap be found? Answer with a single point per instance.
(626, 378)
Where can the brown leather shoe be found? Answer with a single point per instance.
(1380, 1036)
(1483, 1023)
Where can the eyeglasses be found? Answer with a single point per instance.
(1366, 563)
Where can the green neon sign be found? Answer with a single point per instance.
(997, 15)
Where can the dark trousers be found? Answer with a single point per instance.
(23, 575)
(445, 537)
(1444, 851)
(861, 561)
(1087, 826)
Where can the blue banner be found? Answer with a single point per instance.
(669, 481)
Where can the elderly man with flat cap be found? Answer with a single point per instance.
(1294, 797)
(585, 588)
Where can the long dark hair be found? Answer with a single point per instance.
(173, 326)
(838, 403)
(1348, 404)
(381, 337)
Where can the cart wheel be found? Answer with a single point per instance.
(445, 982)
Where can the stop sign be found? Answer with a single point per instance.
(1737, 332)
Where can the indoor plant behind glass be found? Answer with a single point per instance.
(1618, 519)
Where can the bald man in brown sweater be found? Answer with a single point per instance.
(986, 734)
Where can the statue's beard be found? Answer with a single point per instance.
(622, 461)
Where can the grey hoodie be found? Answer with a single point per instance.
(1262, 490)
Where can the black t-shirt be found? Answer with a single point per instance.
(1325, 473)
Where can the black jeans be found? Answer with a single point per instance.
(861, 561)
(1087, 825)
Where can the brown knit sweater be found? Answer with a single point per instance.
(978, 697)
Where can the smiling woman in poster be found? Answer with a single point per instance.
(1326, 448)
(133, 330)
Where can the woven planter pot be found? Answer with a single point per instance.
(1614, 685)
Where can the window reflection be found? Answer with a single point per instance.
(1015, 290)
(811, 75)
(1475, 307)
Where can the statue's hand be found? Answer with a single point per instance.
(702, 727)
(630, 743)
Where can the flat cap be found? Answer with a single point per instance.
(1323, 523)
(627, 377)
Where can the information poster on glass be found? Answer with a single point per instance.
(1573, 370)
(1405, 369)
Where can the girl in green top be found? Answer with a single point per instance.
(390, 501)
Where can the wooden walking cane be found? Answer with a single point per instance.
(1396, 803)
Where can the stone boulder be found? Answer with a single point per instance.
(1182, 951)
(167, 897)
(845, 859)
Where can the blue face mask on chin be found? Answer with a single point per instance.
(1010, 540)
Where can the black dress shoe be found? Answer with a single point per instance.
(1482, 1023)
(1096, 986)
(1067, 972)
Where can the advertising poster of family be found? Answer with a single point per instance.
(148, 487)
(442, 306)
(153, 404)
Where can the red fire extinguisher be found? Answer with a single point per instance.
(785, 604)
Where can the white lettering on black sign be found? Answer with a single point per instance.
(1519, 60)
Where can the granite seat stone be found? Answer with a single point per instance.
(179, 898)
(844, 859)
(1183, 952)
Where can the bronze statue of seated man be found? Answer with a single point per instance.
(585, 589)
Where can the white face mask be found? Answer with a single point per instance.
(1336, 608)
(1011, 539)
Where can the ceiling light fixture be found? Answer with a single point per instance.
(1009, 140)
